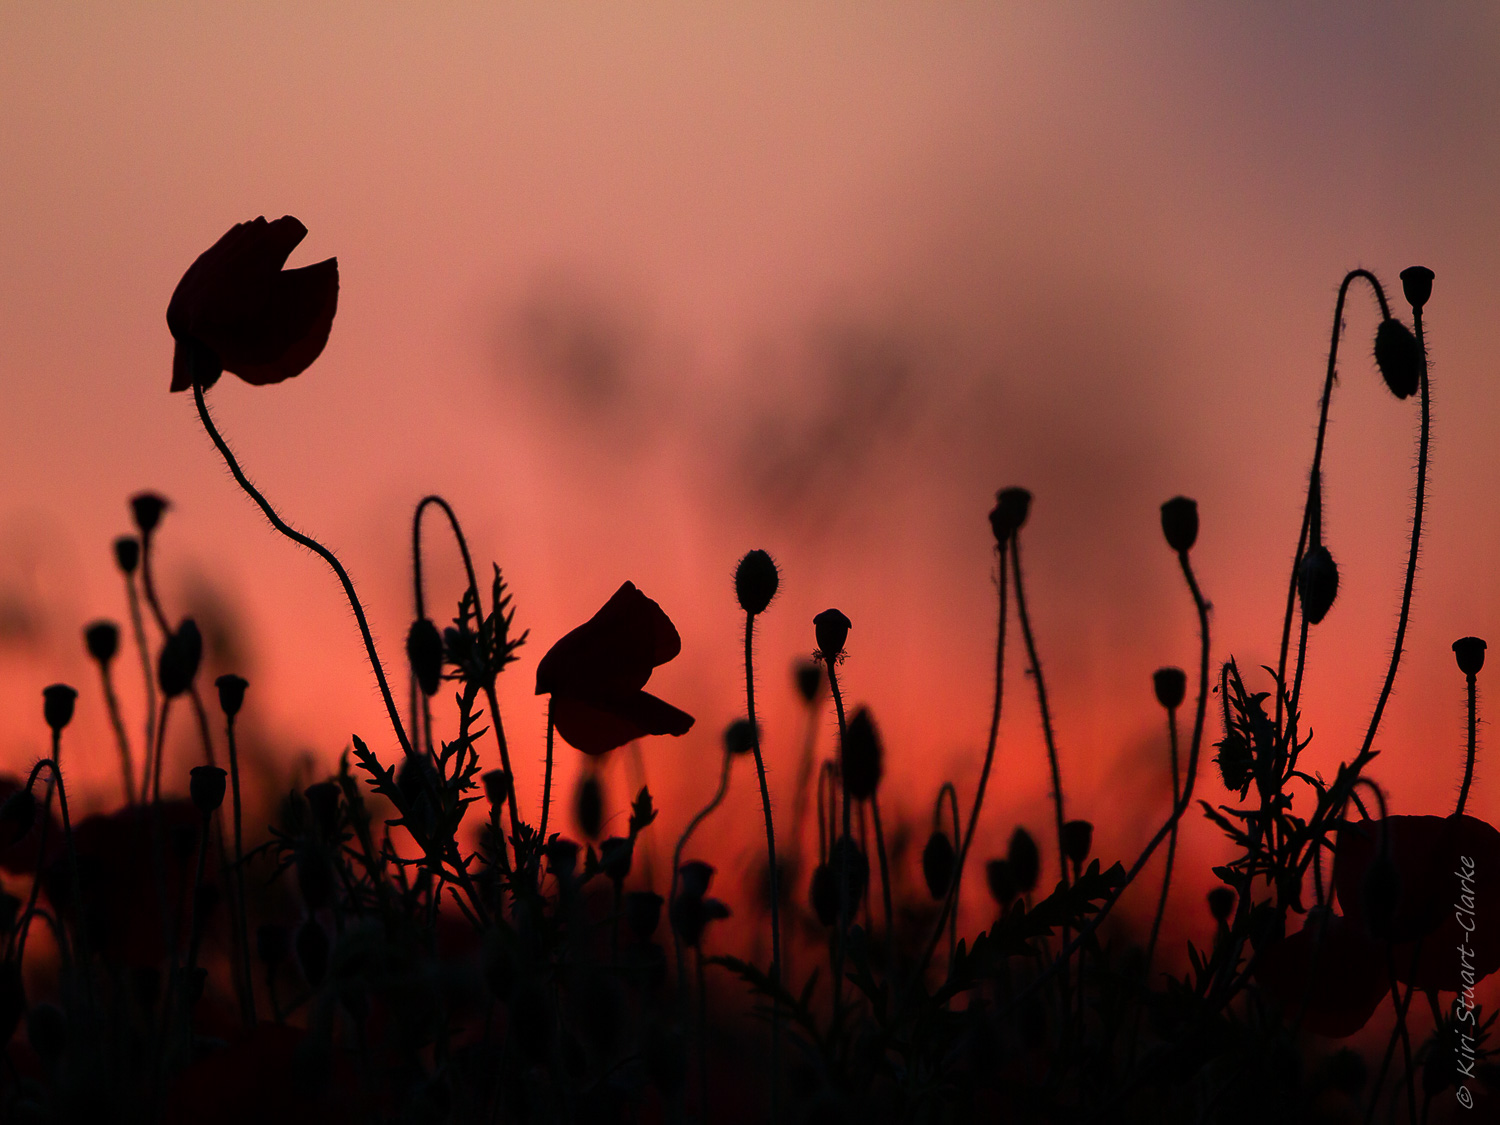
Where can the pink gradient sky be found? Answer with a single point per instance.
(640, 290)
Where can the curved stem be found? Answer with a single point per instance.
(775, 876)
(1166, 882)
(139, 628)
(112, 701)
(161, 748)
(318, 549)
(841, 927)
(682, 840)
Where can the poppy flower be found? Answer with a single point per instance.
(236, 309)
(595, 675)
(1341, 979)
(1426, 894)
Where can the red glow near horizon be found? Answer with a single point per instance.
(638, 293)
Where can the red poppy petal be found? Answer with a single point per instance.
(1341, 983)
(1415, 843)
(294, 329)
(655, 716)
(611, 654)
(1464, 946)
(592, 729)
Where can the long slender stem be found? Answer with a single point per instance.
(775, 875)
(843, 873)
(1166, 882)
(952, 795)
(112, 701)
(248, 981)
(682, 840)
(885, 883)
(546, 779)
(161, 748)
(1463, 793)
(139, 628)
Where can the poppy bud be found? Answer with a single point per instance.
(562, 858)
(823, 895)
(809, 676)
(1317, 584)
(831, 629)
(496, 786)
(1077, 840)
(588, 806)
(1416, 283)
(863, 757)
(127, 553)
(1012, 505)
(938, 862)
(1399, 357)
(755, 582)
(424, 648)
(206, 787)
(47, 1029)
(642, 913)
(695, 876)
(1221, 904)
(323, 800)
(1470, 654)
(691, 915)
(147, 508)
(179, 659)
(57, 706)
(1171, 686)
(848, 864)
(1001, 878)
(231, 693)
(1179, 523)
(272, 944)
(615, 856)
(312, 951)
(17, 816)
(1025, 860)
(102, 639)
(739, 737)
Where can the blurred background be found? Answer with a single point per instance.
(640, 290)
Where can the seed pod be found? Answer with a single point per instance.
(1221, 904)
(1025, 860)
(863, 759)
(1399, 357)
(57, 705)
(102, 639)
(1469, 651)
(831, 629)
(562, 858)
(755, 582)
(1077, 840)
(496, 786)
(424, 648)
(809, 675)
(1001, 878)
(231, 693)
(1179, 523)
(739, 737)
(312, 951)
(695, 876)
(1171, 687)
(1012, 505)
(1317, 584)
(147, 509)
(127, 553)
(588, 806)
(616, 855)
(206, 788)
(1416, 283)
(179, 659)
(938, 862)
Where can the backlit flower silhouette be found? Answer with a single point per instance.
(595, 675)
(237, 310)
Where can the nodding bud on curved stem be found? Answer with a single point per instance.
(1317, 584)
(739, 737)
(863, 761)
(1469, 652)
(755, 582)
(1025, 860)
(424, 649)
(1179, 522)
(1399, 357)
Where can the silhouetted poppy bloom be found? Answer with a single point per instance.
(1341, 979)
(596, 674)
(236, 309)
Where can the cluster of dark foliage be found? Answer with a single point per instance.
(369, 960)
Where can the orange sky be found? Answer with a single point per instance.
(638, 291)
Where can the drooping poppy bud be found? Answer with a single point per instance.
(424, 648)
(1012, 505)
(938, 862)
(231, 693)
(1221, 904)
(863, 760)
(1416, 283)
(57, 706)
(102, 639)
(206, 788)
(1171, 687)
(1317, 584)
(1399, 357)
(179, 659)
(147, 509)
(1469, 651)
(588, 806)
(127, 553)
(312, 946)
(809, 676)
(1077, 840)
(1001, 878)
(739, 737)
(1179, 523)
(755, 582)
(1025, 860)
(831, 630)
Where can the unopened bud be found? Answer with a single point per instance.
(739, 737)
(206, 788)
(496, 786)
(1317, 584)
(1001, 878)
(147, 508)
(1399, 357)
(755, 582)
(588, 806)
(616, 856)
(863, 757)
(809, 676)
(1220, 904)
(1179, 523)
(1077, 840)
(1025, 860)
(938, 862)
(424, 648)
(179, 659)
(127, 553)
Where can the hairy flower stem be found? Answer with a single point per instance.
(952, 794)
(161, 743)
(687, 833)
(1166, 882)
(885, 884)
(842, 922)
(1463, 792)
(75, 885)
(247, 984)
(541, 833)
(1041, 699)
(138, 626)
(484, 635)
(149, 584)
(112, 701)
(775, 875)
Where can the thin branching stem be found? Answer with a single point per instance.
(775, 875)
